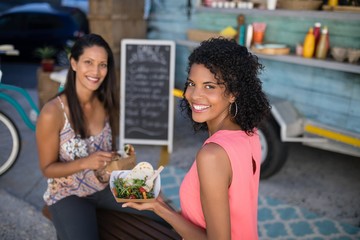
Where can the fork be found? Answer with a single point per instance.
(149, 183)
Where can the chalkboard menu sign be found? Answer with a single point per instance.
(147, 82)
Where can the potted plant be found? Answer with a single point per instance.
(47, 55)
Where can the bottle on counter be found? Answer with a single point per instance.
(333, 3)
(323, 45)
(249, 35)
(241, 29)
(207, 3)
(309, 44)
(258, 32)
(327, 38)
(317, 34)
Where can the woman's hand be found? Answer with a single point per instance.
(155, 206)
(96, 160)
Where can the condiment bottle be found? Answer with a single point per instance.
(333, 3)
(207, 3)
(327, 38)
(241, 29)
(317, 34)
(323, 45)
(309, 44)
(249, 35)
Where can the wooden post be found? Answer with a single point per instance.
(115, 20)
(164, 156)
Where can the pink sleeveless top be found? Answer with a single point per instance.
(243, 192)
(72, 147)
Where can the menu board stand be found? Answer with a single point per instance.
(146, 102)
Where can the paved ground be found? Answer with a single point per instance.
(315, 196)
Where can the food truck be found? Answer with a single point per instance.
(314, 101)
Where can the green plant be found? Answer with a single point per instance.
(69, 44)
(46, 52)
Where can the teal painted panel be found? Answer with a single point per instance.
(169, 17)
(168, 5)
(338, 121)
(164, 35)
(328, 97)
(356, 90)
(353, 124)
(319, 108)
(213, 22)
(167, 30)
(181, 66)
(317, 85)
(311, 78)
(175, 7)
(331, 103)
(176, 20)
(169, 21)
(339, 83)
(355, 100)
(182, 54)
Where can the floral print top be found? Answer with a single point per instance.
(72, 147)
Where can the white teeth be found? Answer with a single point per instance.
(200, 107)
(93, 79)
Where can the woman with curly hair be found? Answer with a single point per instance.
(223, 95)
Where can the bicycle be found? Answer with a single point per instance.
(10, 138)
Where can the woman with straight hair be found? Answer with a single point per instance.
(75, 139)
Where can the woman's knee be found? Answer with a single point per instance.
(74, 218)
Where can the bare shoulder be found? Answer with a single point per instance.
(51, 113)
(211, 152)
(214, 168)
(212, 157)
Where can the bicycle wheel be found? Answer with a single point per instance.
(9, 143)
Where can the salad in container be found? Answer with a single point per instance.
(132, 185)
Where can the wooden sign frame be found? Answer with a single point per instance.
(146, 84)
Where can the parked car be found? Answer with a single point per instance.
(35, 25)
(5, 6)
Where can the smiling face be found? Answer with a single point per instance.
(207, 98)
(91, 68)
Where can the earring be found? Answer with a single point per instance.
(236, 109)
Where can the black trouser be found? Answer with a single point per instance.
(75, 217)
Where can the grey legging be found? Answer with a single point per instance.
(75, 217)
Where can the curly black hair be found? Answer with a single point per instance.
(238, 69)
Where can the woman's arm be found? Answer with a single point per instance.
(214, 170)
(48, 127)
(215, 177)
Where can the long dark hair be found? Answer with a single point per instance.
(238, 69)
(106, 93)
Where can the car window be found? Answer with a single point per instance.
(43, 21)
(12, 22)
